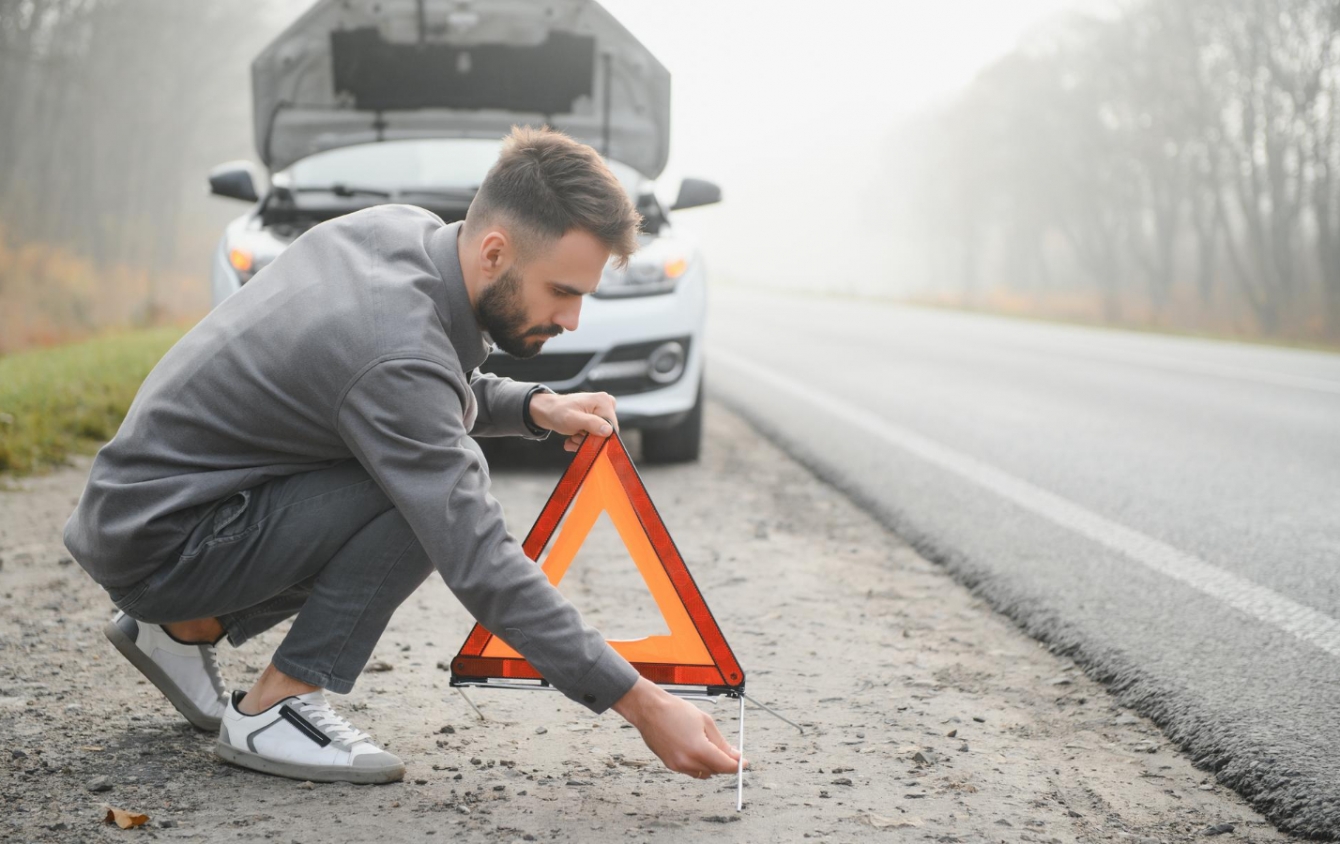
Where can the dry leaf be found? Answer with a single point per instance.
(881, 822)
(91, 749)
(124, 819)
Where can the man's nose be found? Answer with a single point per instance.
(568, 317)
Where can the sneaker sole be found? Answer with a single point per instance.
(159, 678)
(314, 773)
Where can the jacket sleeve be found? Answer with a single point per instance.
(403, 421)
(502, 404)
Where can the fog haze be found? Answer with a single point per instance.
(790, 107)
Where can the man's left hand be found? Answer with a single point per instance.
(575, 415)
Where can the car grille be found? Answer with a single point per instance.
(543, 368)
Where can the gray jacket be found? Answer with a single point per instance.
(355, 342)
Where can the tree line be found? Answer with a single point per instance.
(1168, 162)
(111, 113)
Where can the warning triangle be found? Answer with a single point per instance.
(602, 479)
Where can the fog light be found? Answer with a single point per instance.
(666, 364)
(619, 369)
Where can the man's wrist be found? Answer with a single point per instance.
(633, 706)
(527, 416)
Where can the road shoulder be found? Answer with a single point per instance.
(926, 714)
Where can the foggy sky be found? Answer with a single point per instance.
(788, 105)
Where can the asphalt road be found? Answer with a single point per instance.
(1167, 510)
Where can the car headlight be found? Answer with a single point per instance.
(248, 255)
(645, 275)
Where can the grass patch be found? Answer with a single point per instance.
(69, 399)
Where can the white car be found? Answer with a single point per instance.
(362, 102)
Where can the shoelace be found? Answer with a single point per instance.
(211, 656)
(330, 723)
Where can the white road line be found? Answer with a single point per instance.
(1259, 602)
(1193, 367)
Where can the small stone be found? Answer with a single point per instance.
(1218, 829)
(98, 784)
(475, 760)
(963, 748)
(952, 733)
(823, 794)
(64, 560)
(17, 754)
(842, 781)
(979, 719)
(378, 665)
(923, 757)
(721, 818)
(1126, 719)
(539, 731)
(307, 785)
(421, 782)
(1060, 681)
(579, 782)
(447, 729)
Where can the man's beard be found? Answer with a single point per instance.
(503, 317)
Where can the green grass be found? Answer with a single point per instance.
(69, 399)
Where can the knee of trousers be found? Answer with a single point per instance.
(413, 559)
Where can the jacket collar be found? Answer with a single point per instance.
(454, 307)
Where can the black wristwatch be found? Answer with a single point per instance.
(525, 411)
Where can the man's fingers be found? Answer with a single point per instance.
(716, 738)
(602, 405)
(714, 761)
(595, 425)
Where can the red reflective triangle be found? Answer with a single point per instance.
(602, 479)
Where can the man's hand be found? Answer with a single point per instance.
(575, 415)
(681, 735)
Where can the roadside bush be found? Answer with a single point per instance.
(69, 399)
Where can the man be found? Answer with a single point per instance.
(305, 449)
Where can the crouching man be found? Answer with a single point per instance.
(305, 451)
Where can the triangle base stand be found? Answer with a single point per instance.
(686, 693)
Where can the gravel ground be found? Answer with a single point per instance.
(927, 716)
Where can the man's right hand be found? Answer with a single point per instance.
(681, 735)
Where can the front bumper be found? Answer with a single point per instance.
(641, 402)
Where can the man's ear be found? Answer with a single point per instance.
(494, 249)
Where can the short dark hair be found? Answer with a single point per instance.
(547, 184)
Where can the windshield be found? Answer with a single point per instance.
(407, 165)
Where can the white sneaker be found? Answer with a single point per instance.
(302, 737)
(188, 674)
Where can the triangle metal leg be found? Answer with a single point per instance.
(774, 714)
(472, 703)
(739, 770)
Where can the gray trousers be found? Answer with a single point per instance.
(327, 545)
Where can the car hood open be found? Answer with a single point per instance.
(356, 71)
